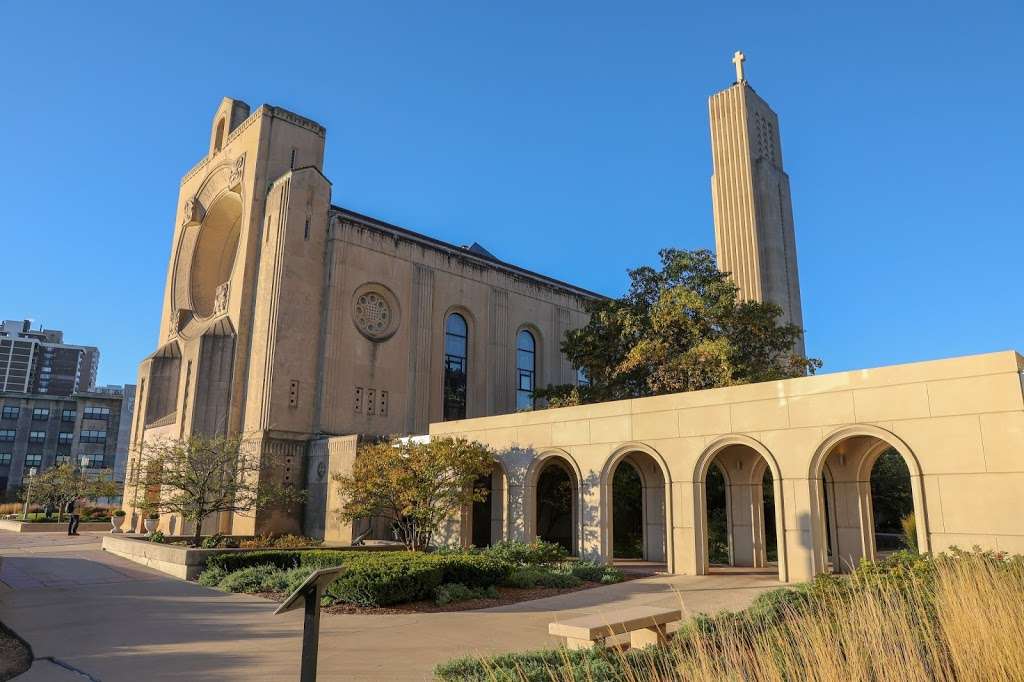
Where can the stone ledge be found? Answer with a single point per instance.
(14, 526)
(187, 563)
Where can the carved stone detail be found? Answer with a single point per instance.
(237, 172)
(220, 301)
(172, 323)
(191, 212)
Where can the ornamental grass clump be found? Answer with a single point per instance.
(955, 617)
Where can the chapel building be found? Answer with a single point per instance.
(290, 319)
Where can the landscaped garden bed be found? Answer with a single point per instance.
(403, 582)
(958, 616)
(174, 556)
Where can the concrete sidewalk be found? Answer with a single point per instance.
(115, 620)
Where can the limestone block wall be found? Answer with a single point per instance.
(958, 423)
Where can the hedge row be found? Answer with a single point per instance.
(375, 578)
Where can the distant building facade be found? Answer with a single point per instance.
(88, 430)
(37, 361)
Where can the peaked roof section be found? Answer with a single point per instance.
(472, 252)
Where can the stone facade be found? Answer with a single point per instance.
(290, 319)
(958, 424)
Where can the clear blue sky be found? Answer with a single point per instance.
(569, 138)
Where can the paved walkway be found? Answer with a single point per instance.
(115, 620)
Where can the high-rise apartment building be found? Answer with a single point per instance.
(38, 361)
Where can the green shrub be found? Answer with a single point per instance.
(211, 577)
(611, 575)
(594, 665)
(119, 512)
(472, 570)
(233, 561)
(526, 554)
(379, 580)
(157, 537)
(534, 576)
(455, 592)
(265, 578)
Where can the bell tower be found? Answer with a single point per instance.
(754, 234)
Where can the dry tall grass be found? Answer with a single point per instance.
(963, 621)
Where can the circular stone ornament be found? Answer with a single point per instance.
(375, 311)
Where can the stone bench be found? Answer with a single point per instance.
(645, 625)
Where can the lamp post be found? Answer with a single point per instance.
(28, 493)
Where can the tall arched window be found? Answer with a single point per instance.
(526, 369)
(456, 357)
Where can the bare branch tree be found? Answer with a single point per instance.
(198, 476)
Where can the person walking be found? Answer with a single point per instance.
(73, 517)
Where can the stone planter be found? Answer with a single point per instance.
(188, 562)
(15, 526)
(116, 522)
(151, 525)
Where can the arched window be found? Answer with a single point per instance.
(456, 357)
(526, 369)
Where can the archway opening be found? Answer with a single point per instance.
(214, 255)
(718, 517)
(627, 513)
(482, 532)
(556, 505)
(637, 509)
(867, 503)
(741, 525)
(892, 503)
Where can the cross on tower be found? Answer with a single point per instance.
(738, 60)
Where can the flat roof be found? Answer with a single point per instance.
(463, 252)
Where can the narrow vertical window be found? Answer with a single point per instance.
(456, 358)
(526, 369)
(582, 378)
(218, 138)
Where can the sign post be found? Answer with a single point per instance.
(308, 595)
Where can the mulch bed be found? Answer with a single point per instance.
(15, 656)
(506, 595)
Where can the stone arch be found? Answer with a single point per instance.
(563, 459)
(852, 534)
(750, 479)
(498, 521)
(213, 259)
(657, 501)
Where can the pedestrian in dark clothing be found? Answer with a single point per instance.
(73, 517)
(48, 510)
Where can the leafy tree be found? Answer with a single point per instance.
(203, 475)
(60, 484)
(891, 496)
(680, 328)
(418, 485)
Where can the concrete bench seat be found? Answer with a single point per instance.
(645, 625)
